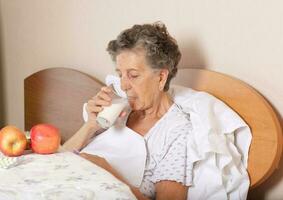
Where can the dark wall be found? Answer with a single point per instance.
(2, 106)
(2, 85)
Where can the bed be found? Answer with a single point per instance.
(56, 96)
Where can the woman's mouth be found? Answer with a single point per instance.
(130, 98)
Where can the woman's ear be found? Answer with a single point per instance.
(163, 78)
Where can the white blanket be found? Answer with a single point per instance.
(220, 146)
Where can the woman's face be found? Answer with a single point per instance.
(140, 82)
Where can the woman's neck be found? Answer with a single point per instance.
(159, 107)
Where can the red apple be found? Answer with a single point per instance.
(45, 139)
(12, 141)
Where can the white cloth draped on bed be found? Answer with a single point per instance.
(219, 149)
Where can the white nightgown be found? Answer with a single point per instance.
(166, 150)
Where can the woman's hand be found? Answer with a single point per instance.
(96, 103)
(101, 162)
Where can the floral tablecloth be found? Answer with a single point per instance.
(60, 176)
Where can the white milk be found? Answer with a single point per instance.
(109, 114)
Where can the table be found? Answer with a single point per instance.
(60, 176)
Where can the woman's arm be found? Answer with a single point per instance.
(165, 190)
(138, 194)
(170, 190)
(88, 130)
(81, 137)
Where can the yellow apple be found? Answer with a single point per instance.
(12, 141)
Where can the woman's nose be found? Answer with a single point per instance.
(125, 85)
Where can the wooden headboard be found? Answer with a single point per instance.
(56, 96)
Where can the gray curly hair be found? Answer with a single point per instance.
(162, 51)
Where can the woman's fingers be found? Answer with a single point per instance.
(100, 161)
(97, 105)
(94, 109)
(106, 89)
(101, 102)
(103, 98)
(123, 114)
(103, 95)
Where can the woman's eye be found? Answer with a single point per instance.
(133, 76)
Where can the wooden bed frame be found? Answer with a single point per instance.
(56, 96)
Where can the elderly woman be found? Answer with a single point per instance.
(146, 59)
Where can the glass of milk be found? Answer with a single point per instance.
(109, 114)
